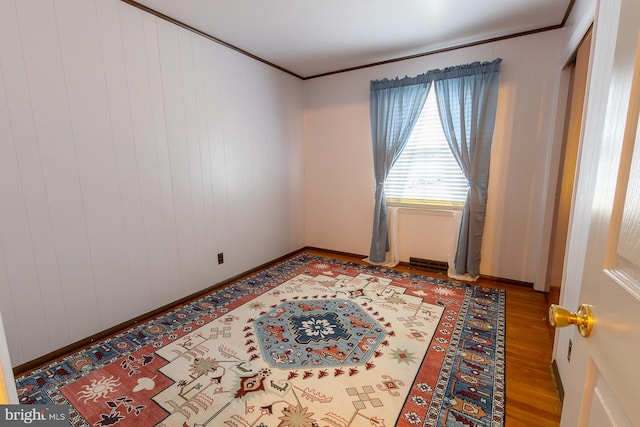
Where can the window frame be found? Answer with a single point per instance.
(430, 204)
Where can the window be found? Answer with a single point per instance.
(426, 171)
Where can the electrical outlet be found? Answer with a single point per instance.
(569, 351)
(220, 258)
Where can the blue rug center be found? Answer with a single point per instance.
(316, 333)
(319, 327)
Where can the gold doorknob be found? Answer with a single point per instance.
(583, 318)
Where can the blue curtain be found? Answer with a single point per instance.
(467, 96)
(395, 106)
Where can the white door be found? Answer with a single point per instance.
(602, 381)
(7, 384)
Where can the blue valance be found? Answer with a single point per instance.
(398, 82)
(472, 69)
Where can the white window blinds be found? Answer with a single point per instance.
(427, 172)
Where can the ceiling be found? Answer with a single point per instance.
(311, 38)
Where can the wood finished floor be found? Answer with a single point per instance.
(531, 396)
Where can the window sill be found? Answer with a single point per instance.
(426, 206)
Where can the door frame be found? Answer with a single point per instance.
(576, 26)
(8, 392)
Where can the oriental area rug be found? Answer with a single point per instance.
(308, 342)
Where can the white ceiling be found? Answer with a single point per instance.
(308, 38)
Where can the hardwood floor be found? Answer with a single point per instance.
(531, 396)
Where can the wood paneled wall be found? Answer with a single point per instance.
(131, 152)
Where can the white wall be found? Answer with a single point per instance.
(131, 152)
(582, 16)
(578, 22)
(339, 166)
